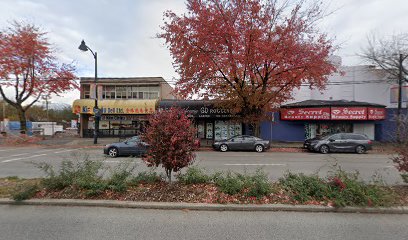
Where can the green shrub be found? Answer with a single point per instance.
(25, 192)
(194, 175)
(146, 177)
(119, 177)
(84, 174)
(230, 183)
(258, 185)
(347, 189)
(304, 188)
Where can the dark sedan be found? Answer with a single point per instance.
(131, 147)
(339, 142)
(242, 142)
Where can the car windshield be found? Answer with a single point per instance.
(133, 139)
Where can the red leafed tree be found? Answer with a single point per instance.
(28, 66)
(171, 138)
(249, 54)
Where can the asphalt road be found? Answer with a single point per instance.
(19, 161)
(50, 222)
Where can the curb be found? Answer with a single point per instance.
(201, 206)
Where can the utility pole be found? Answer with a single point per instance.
(400, 80)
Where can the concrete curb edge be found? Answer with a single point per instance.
(201, 206)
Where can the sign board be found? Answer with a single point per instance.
(348, 113)
(198, 109)
(305, 113)
(333, 113)
(376, 113)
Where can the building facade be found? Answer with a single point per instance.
(358, 90)
(125, 104)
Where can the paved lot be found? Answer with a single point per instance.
(18, 161)
(47, 222)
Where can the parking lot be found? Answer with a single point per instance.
(20, 161)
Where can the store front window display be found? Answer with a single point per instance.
(313, 130)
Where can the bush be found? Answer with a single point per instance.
(83, 174)
(348, 190)
(304, 188)
(230, 183)
(119, 177)
(194, 175)
(25, 192)
(258, 185)
(146, 177)
(341, 188)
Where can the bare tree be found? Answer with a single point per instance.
(389, 54)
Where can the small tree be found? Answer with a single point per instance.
(171, 138)
(29, 67)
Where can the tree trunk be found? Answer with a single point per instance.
(23, 120)
(168, 173)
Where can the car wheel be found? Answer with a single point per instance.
(113, 152)
(360, 149)
(223, 148)
(324, 149)
(259, 148)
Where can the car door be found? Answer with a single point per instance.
(248, 143)
(132, 146)
(335, 142)
(235, 143)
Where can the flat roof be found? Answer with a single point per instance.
(329, 103)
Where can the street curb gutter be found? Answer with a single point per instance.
(201, 206)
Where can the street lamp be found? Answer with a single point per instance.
(97, 114)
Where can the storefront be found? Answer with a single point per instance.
(212, 123)
(326, 117)
(119, 117)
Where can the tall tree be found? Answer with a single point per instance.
(389, 54)
(29, 66)
(250, 54)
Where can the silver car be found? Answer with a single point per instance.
(242, 142)
(339, 142)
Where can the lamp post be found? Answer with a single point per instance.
(84, 47)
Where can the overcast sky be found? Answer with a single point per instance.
(123, 31)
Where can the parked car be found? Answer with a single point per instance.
(133, 146)
(339, 142)
(242, 142)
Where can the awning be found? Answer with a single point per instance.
(146, 106)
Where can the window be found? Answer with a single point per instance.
(354, 137)
(335, 137)
(86, 91)
(109, 92)
(121, 92)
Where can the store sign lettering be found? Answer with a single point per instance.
(305, 114)
(348, 113)
(376, 113)
(333, 113)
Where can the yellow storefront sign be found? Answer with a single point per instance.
(86, 106)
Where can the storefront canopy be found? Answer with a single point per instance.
(146, 106)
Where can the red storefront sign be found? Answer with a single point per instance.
(376, 113)
(348, 113)
(305, 114)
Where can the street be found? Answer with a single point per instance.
(18, 161)
(50, 222)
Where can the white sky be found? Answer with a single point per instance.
(123, 31)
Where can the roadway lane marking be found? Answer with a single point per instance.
(254, 164)
(21, 154)
(2, 150)
(16, 159)
(69, 150)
